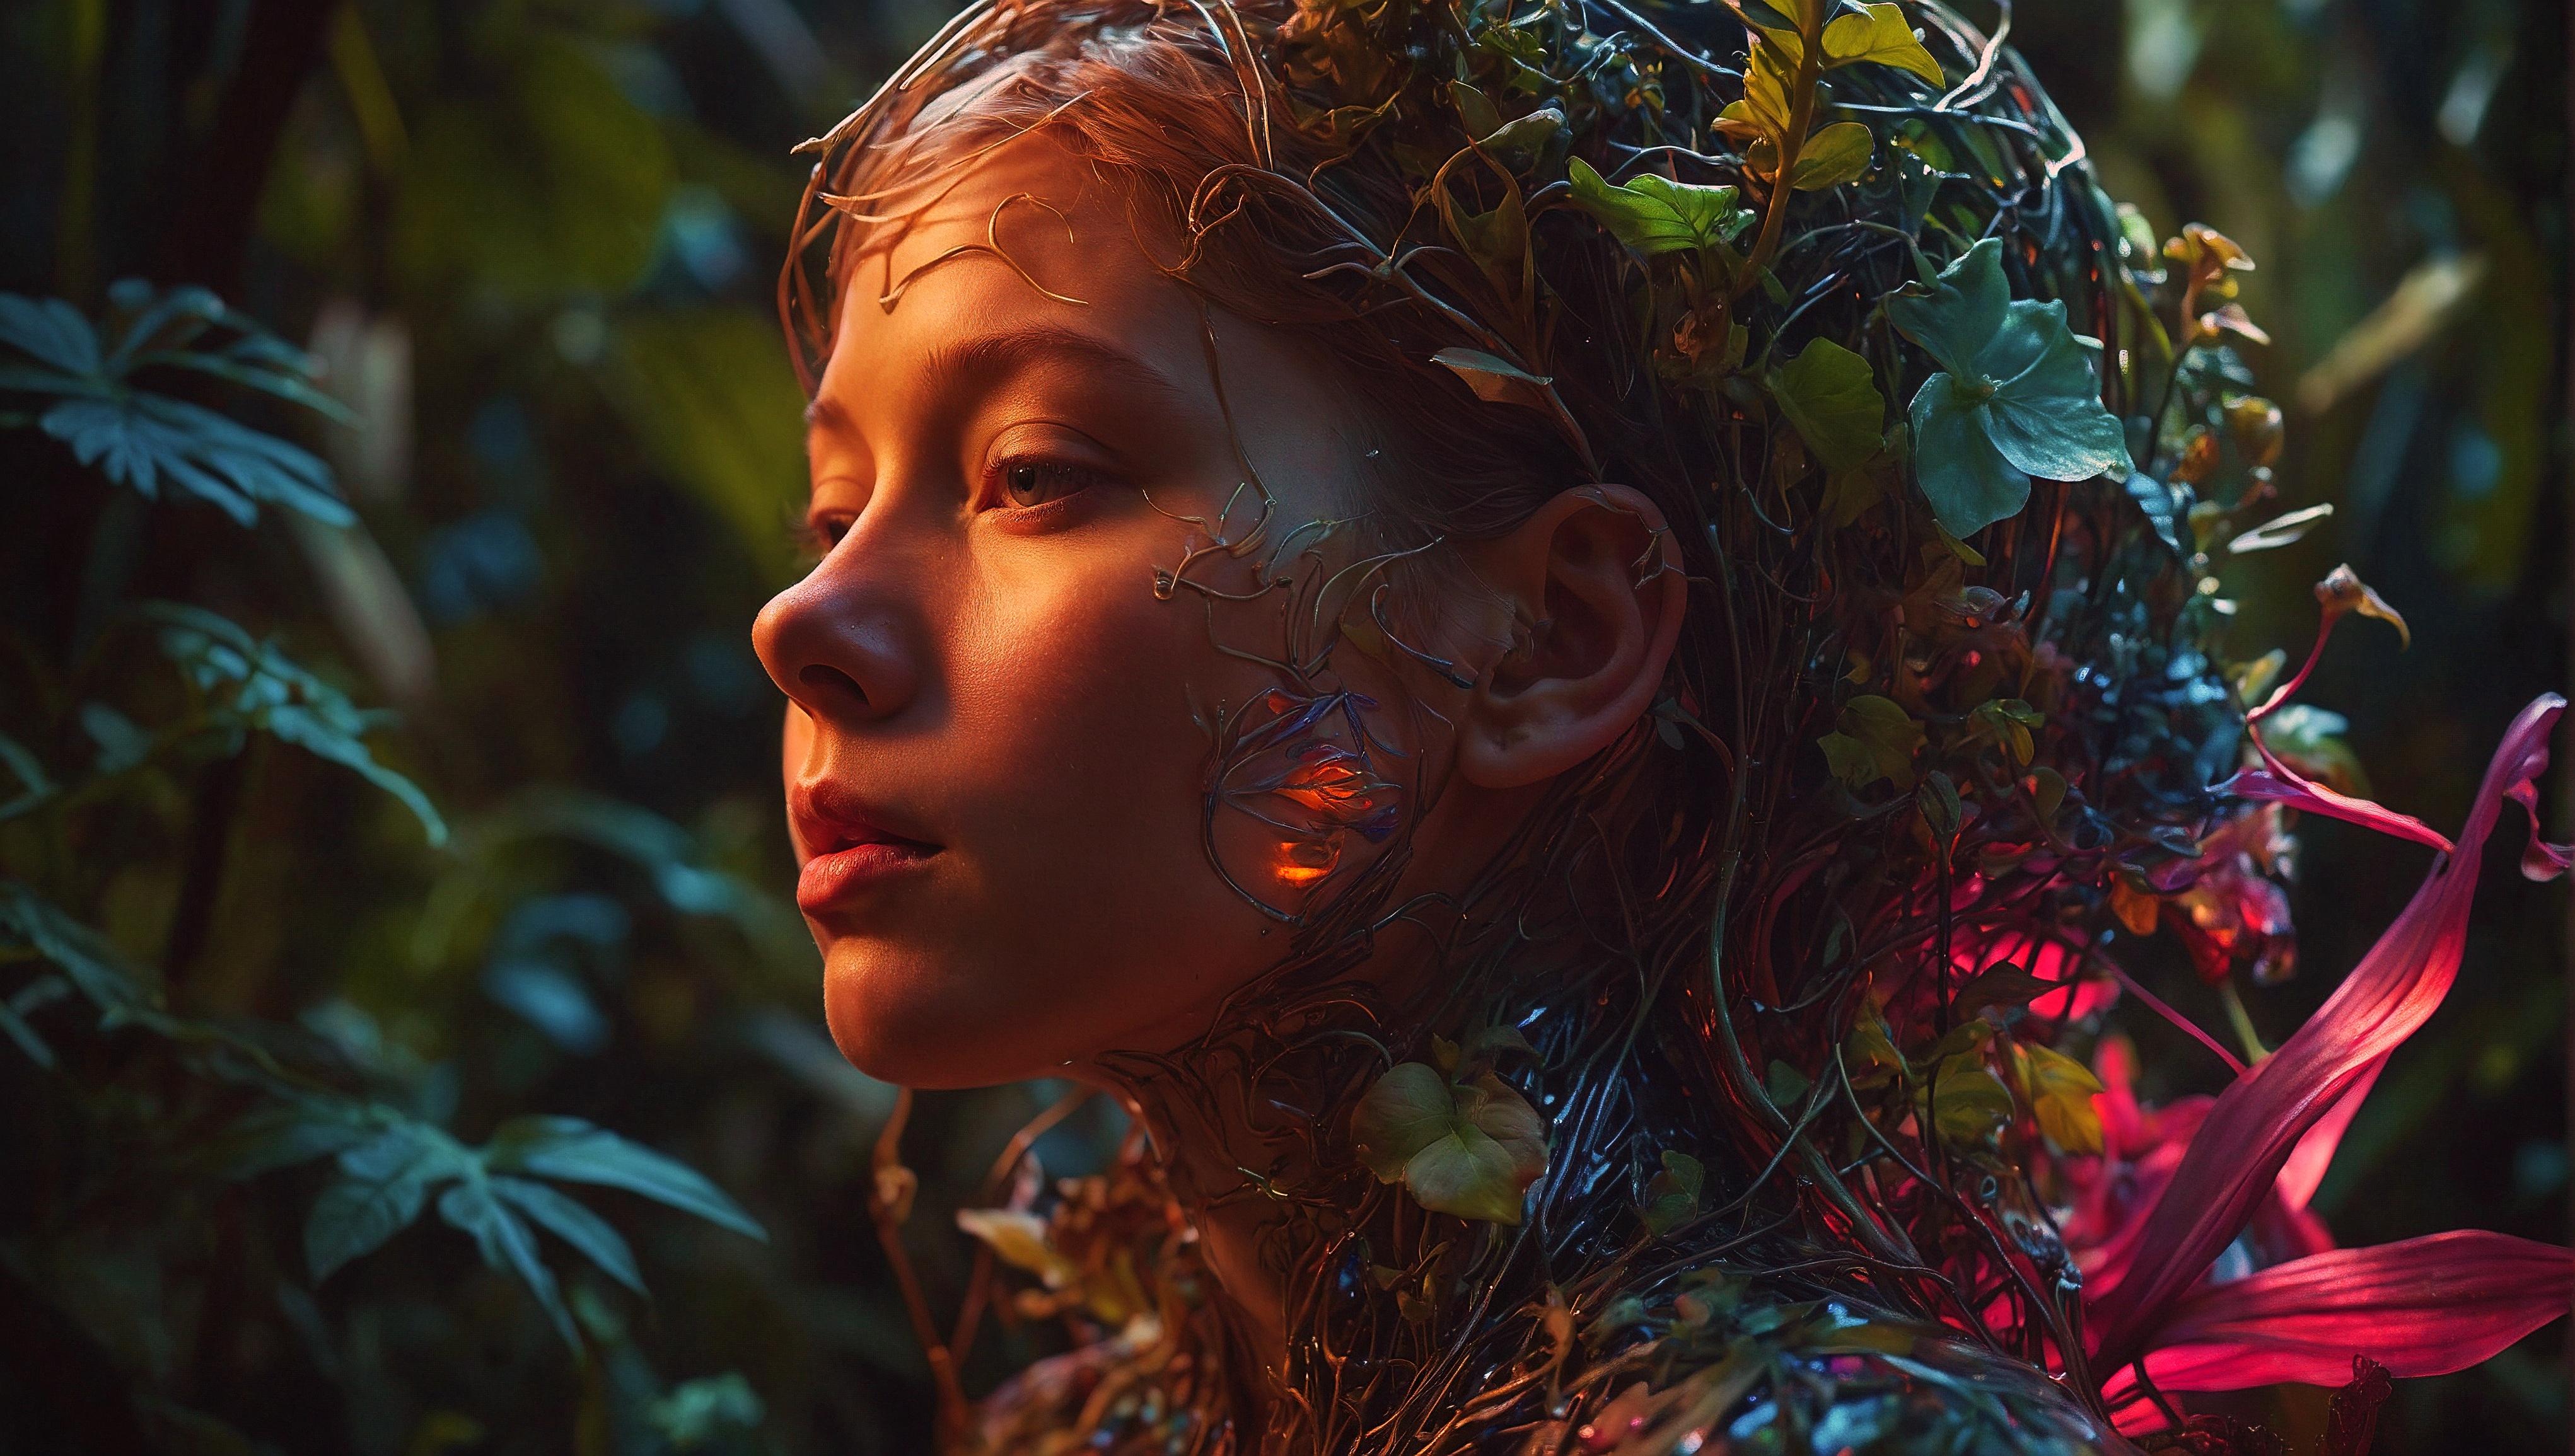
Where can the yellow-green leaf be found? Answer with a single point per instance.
(1874, 738)
(1968, 1102)
(2061, 1094)
(1881, 35)
(1833, 156)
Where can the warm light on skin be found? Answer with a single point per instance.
(1000, 681)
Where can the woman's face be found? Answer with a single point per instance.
(998, 749)
(996, 753)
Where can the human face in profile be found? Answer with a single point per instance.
(997, 755)
(996, 752)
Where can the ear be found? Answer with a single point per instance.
(1598, 594)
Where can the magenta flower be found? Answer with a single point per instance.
(2180, 1188)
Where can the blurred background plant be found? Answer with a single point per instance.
(528, 473)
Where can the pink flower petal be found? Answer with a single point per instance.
(2426, 1306)
(2285, 787)
(2305, 1169)
(2255, 1123)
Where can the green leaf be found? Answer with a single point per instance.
(1673, 1195)
(569, 1150)
(1869, 1051)
(1470, 1149)
(1655, 215)
(251, 685)
(1882, 35)
(2155, 500)
(94, 964)
(1830, 395)
(575, 1226)
(1968, 1102)
(34, 785)
(1874, 738)
(138, 439)
(1785, 1085)
(507, 1244)
(2045, 415)
(1833, 156)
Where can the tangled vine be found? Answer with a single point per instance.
(1769, 1032)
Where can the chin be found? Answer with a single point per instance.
(905, 1024)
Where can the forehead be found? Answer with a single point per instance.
(1024, 232)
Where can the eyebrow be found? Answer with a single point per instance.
(988, 358)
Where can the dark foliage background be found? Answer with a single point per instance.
(534, 238)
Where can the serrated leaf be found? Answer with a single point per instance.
(1833, 156)
(1655, 215)
(1470, 1149)
(569, 1150)
(382, 1184)
(1880, 34)
(93, 964)
(1830, 395)
(591, 1235)
(507, 1244)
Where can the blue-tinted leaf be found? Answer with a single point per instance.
(1967, 481)
(283, 385)
(50, 330)
(188, 305)
(25, 1036)
(34, 786)
(94, 964)
(255, 686)
(324, 738)
(2045, 415)
(382, 1184)
(121, 744)
(1961, 314)
(508, 1245)
(291, 1134)
(51, 381)
(573, 1152)
(703, 1412)
(2155, 500)
(551, 998)
(574, 1225)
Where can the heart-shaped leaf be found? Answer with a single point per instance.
(1830, 395)
(1874, 738)
(2015, 395)
(1470, 1148)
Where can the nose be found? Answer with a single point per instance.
(835, 644)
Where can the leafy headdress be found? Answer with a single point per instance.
(1755, 1083)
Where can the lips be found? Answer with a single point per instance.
(852, 852)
